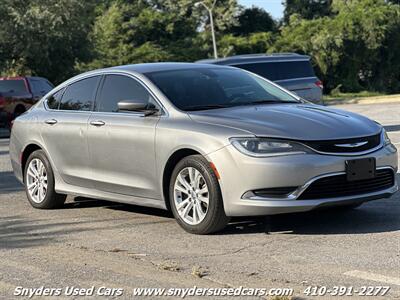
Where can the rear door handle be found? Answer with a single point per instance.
(51, 121)
(97, 123)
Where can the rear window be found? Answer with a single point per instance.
(13, 86)
(280, 70)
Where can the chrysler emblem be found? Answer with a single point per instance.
(352, 145)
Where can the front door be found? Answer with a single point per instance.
(121, 144)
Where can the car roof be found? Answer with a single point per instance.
(262, 57)
(157, 67)
(21, 77)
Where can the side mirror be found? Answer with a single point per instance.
(136, 105)
(132, 105)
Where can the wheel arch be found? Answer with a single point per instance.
(172, 161)
(28, 150)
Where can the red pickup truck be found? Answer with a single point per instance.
(18, 94)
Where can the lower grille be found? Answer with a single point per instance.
(338, 186)
(275, 192)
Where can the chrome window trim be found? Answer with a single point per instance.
(294, 195)
(65, 86)
(163, 112)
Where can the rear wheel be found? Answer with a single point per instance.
(195, 196)
(39, 182)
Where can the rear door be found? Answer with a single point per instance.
(64, 130)
(121, 144)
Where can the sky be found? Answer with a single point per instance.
(274, 7)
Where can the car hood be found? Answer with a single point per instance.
(291, 121)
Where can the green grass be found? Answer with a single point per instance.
(345, 96)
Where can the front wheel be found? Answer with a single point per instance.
(39, 182)
(195, 196)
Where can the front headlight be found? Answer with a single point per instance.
(264, 147)
(385, 137)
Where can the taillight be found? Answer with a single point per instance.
(2, 102)
(319, 84)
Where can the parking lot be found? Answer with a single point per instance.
(99, 243)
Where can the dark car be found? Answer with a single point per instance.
(18, 94)
(292, 71)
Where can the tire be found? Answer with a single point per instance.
(214, 218)
(48, 199)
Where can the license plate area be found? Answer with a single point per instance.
(359, 169)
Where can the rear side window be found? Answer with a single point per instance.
(80, 95)
(117, 88)
(54, 100)
(280, 70)
(13, 86)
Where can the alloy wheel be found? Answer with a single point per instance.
(191, 196)
(36, 180)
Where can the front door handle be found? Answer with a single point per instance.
(97, 123)
(51, 121)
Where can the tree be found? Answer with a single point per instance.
(254, 19)
(355, 49)
(44, 37)
(258, 42)
(156, 30)
(306, 9)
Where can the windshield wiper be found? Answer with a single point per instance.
(205, 107)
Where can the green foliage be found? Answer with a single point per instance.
(43, 37)
(258, 42)
(252, 20)
(357, 48)
(307, 9)
(354, 44)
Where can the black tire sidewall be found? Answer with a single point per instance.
(215, 213)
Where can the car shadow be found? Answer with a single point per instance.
(23, 232)
(83, 202)
(365, 219)
(9, 183)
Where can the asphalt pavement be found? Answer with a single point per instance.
(99, 243)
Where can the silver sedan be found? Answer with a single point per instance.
(206, 142)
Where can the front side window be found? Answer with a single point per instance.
(118, 88)
(54, 100)
(207, 88)
(80, 95)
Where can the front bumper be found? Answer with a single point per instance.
(240, 174)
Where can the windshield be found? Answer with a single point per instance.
(210, 88)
